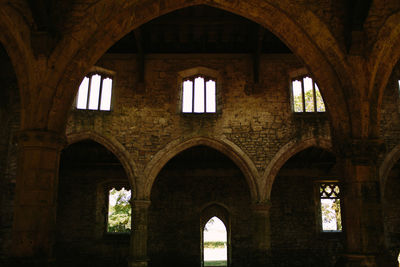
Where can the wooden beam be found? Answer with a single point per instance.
(203, 21)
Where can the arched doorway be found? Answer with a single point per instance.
(93, 211)
(305, 211)
(183, 200)
(215, 227)
(215, 246)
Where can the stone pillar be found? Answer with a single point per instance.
(36, 195)
(138, 248)
(262, 233)
(362, 207)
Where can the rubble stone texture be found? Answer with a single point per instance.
(254, 163)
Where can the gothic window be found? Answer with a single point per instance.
(95, 92)
(199, 94)
(306, 96)
(331, 219)
(119, 210)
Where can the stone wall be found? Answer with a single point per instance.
(81, 237)
(182, 190)
(390, 132)
(9, 122)
(145, 120)
(297, 237)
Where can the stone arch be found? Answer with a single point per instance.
(390, 160)
(307, 36)
(384, 56)
(13, 30)
(224, 146)
(116, 148)
(283, 155)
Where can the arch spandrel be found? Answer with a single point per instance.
(283, 155)
(224, 146)
(309, 38)
(116, 148)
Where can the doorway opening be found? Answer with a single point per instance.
(215, 246)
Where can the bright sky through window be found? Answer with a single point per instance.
(210, 87)
(215, 243)
(330, 207)
(199, 95)
(95, 93)
(83, 94)
(119, 211)
(105, 102)
(306, 96)
(187, 96)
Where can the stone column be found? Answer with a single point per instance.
(362, 207)
(262, 233)
(36, 195)
(138, 249)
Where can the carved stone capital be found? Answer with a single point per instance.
(37, 138)
(141, 204)
(261, 208)
(361, 151)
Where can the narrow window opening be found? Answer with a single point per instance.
(330, 207)
(306, 96)
(199, 95)
(95, 93)
(83, 93)
(119, 211)
(215, 243)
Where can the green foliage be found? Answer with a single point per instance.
(309, 102)
(214, 244)
(215, 263)
(119, 211)
(331, 213)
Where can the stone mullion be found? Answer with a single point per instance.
(139, 235)
(36, 192)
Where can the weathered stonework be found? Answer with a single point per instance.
(350, 48)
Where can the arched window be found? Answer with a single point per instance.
(306, 96)
(199, 94)
(215, 246)
(95, 92)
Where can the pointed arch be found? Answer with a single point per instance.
(224, 146)
(384, 56)
(13, 32)
(306, 35)
(390, 160)
(283, 155)
(115, 147)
